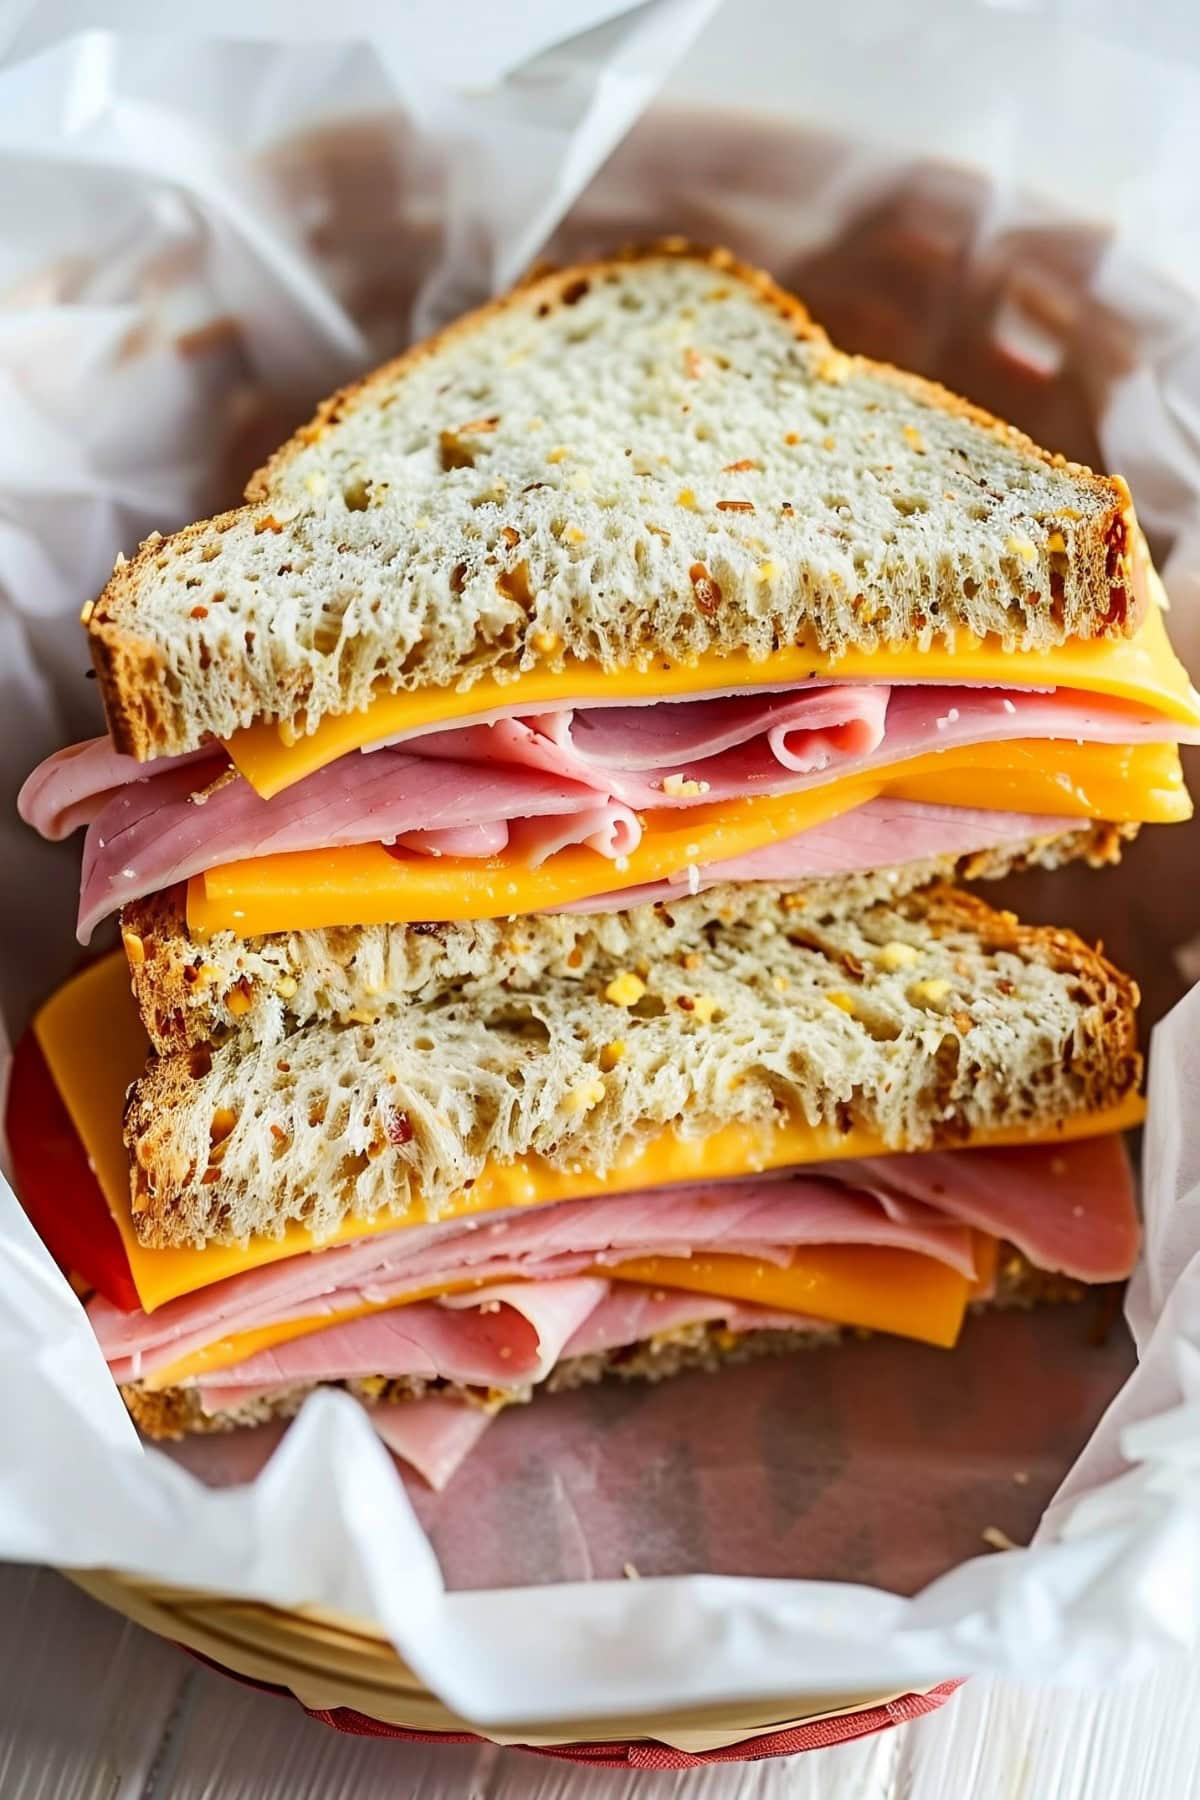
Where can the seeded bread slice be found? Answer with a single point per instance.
(924, 1020)
(190, 993)
(657, 452)
(176, 1412)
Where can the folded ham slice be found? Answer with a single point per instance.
(1068, 1207)
(68, 789)
(153, 833)
(513, 1336)
(696, 752)
(434, 1435)
(765, 1217)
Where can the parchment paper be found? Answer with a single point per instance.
(196, 239)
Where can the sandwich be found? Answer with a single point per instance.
(535, 821)
(490, 1192)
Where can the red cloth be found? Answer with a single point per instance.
(818, 1735)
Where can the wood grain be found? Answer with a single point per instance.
(92, 1708)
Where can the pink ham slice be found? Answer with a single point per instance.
(72, 786)
(774, 745)
(627, 752)
(435, 1436)
(877, 835)
(629, 1314)
(546, 782)
(511, 1336)
(154, 833)
(1069, 1207)
(763, 1217)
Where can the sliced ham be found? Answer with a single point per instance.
(1070, 1208)
(533, 785)
(756, 693)
(765, 1217)
(72, 786)
(509, 1337)
(876, 835)
(154, 833)
(629, 1314)
(629, 752)
(435, 1436)
(786, 743)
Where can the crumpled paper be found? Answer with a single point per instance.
(200, 237)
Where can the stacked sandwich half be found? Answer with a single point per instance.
(534, 820)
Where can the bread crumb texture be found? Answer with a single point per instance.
(992, 1024)
(655, 454)
(264, 987)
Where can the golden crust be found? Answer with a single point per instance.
(1108, 1064)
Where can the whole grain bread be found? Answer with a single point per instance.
(191, 993)
(175, 1412)
(656, 452)
(925, 1020)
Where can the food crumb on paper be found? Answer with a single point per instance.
(997, 1539)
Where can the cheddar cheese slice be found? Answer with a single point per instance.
(1143, 669)
(871, 1286)
(364, 884)
(95, 1045)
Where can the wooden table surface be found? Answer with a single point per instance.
(93, 1708)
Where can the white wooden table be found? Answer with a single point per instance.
(92, 1708)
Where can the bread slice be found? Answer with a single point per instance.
(176, 1412)
(192, 993)
(656, 452)
(923, 1020)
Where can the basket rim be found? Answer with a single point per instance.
(331, 1662)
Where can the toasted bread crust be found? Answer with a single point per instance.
(134, 681)
(1108, 1064)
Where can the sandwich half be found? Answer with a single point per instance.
(791, 1128)
(534, 820)
(630, 585)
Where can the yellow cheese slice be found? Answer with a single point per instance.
(364, 884)
(95, 1045)
(872, 1286)
(1143, 669)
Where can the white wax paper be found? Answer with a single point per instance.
(200, 235)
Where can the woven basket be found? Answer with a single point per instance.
(346, 1673)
